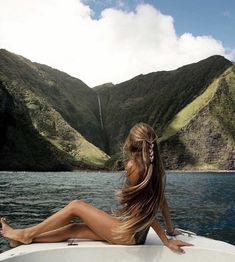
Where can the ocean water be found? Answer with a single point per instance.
(200, 202)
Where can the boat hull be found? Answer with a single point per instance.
(204, 249)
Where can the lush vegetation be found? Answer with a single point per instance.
(196, 128)
(189, 111)
(224, 103)
(73, 99)
(39, 138)
(155, 98)
(51, 121)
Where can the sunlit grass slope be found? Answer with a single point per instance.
(50, 125)
(188, 112)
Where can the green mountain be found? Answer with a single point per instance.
(73, 99)
(34, 132)
(190, 108)
(202, 134)
(170, 102)
(154, 98)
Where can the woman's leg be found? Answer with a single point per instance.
(97, 220)
(76, 230)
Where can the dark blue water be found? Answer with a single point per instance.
(199, 202)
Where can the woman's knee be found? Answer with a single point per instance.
(77, 202)
(75, 205)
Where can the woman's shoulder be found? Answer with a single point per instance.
(132, 165)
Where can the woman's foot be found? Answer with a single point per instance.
(14, 235)
(14, 243)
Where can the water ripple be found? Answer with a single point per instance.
(200, 202)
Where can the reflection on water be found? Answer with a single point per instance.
(200, 202)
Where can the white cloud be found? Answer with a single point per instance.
(118, 46)
(231, 54)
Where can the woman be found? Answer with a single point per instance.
(141, 196)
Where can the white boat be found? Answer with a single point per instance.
(204, 249)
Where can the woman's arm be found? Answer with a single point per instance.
(167, 218)
(166, 215)
(157, 228)
(174, 245)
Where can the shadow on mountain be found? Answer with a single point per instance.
(22, 147)
(174, 152)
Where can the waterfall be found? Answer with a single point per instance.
(100, 112)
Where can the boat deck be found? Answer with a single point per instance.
(204, 249)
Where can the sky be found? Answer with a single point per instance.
(114, 40)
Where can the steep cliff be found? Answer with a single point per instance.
(21, 146)
(73, 99)
(34, 136)
(202, 135)
(154, 98)
(52, 121)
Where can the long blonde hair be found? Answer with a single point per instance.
(139, 203)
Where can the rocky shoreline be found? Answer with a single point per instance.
(111, 171)
(201, 171)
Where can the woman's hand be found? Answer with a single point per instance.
(175, 245)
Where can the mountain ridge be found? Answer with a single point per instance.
(152, 104)
(61, 90)
(210, 144)
(66, 148)
(103, 116)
